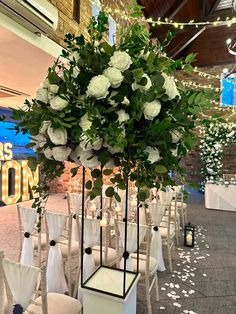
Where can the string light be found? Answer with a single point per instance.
(179, 25)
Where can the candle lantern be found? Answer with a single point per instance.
(189, 231)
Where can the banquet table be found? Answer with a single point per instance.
(220, 196)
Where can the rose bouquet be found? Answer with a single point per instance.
(112, 106)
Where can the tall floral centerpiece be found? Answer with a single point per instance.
(104, 106)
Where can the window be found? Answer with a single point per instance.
(76, 11)
(112, 23)
(228, 95)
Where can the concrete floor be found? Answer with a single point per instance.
(204, 278)
(211, 287)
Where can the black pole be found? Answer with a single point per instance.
(126, 227)
(101, 204)
(82, 226)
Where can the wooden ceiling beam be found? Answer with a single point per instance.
(212, 9)
(174, 10)
(186, 42)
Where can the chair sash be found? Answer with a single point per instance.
(22, 280)
(75, 203)
(157, 211)
(131, 245)
(91, 238)
(55, 273)
(28, 219)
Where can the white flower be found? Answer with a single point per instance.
(42, 95)
(170, 86)
(39, 140)
(151, 109)
(125, 101)
(122, 116)
(57, 136)
(112, 101)
(153, 154)
(75, 56)
(53, 88)
(50, 96)
(46, 83)
(85, 156)
(174, 152)
(176, 135)
(57, 103)
(144, 55)
(98, 87)
(87, 144)
(85, 123)
(75, 73)
(120, 60)
(142, 87)
(114, 76)
(61, 153)
(44, 126)
(75, 158)
(115, 149)
(48, 153)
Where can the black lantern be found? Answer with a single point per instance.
(124, 279)
(189, 231)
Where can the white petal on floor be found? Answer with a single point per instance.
(173, 292)
(177, 304)
(162, 308)
(166, 284)
(186, 295)
(204, 275)
(172, 285)
(177, 286)
(162, 288)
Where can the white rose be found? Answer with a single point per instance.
(50, 96)
(57, 103)
(125, 101)
(112, 101)
(174, 152)
(170, 86)
(114, 76)
(88, 145)
(48, 153)
(151, 109)
(46, 83)
(120, 60)
(98, 87)
(75, 56)
(122, 116)
(176, 135)
(44, 126)
(115, 149)
(42, 95)
(53, 88)
(142, 87)
(75, 73)
(39, 140)
(61, 153)
(85, 123)
(57, 136)
(153, 154)
(85, 156)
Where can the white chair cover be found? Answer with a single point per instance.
(55, 273)
(91, 238)
(157, 211)
(122, 194)
(22, 281)
(75, 201)
(131, 245)
(28, 219)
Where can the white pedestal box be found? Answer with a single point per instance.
(102, 293)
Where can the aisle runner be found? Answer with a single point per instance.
(186, 269)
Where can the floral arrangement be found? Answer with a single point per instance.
(104, 107)
(214, 137)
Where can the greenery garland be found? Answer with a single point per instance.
(106, 107)
(214, 137)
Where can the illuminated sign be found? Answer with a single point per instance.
(16, 178)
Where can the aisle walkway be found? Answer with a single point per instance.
(204, 279)
(214, 280)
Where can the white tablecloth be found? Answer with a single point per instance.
(219, 196)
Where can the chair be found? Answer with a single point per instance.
(179, 204)
(27, 290)
(62, 250)
(32, 240)
(168, 235)
(147, 264)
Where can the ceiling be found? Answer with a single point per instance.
(23, 68)
(208, 42)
